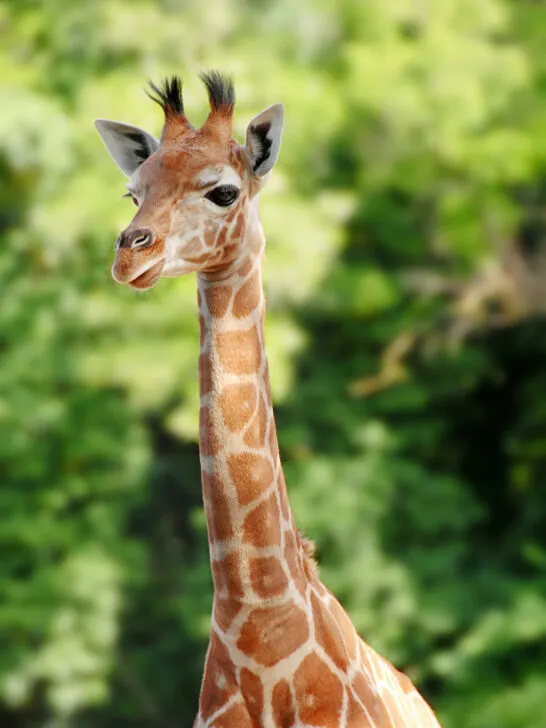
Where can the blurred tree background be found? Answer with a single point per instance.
(406, 280)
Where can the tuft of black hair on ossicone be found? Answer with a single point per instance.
(220, 90)
(168, 95)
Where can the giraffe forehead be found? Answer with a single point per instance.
(190, 166)
(218, 174)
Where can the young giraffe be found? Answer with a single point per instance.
(283, 652)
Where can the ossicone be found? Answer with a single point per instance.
(220, 90)
(222, 100)
(221, 93)
(169, 96)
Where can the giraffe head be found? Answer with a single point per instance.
(195, 189)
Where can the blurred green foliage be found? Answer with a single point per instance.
(405, 272)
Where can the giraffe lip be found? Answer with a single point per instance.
(150, 276)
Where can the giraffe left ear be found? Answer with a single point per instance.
(128, 145)
(263, 139)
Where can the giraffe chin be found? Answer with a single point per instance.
(149, 278)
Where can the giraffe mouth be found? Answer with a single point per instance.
(149, 277)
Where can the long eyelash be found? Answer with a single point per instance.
(127, 194)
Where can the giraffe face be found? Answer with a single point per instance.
(195, 190)
(193, 202)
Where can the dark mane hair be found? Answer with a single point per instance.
(168, 96)
(220, 90)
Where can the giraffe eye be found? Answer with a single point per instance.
(223, 195)
(133, 198)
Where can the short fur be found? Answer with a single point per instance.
(282, 649)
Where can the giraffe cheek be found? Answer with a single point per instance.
(192, 249)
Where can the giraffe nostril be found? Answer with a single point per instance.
(141, 238)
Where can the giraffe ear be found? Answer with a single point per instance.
(128, 145)
(263, 139)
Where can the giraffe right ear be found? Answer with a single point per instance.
(128, 145)
(263, 139)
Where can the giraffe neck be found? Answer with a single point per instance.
(255, 549)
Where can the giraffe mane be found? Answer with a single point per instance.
(309, 550)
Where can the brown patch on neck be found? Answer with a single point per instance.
(248, 297)
(283, 705)
(319, 692)
(239, 352)
(237, 715)
(271, 634)
(218, 298)
(253, 693)
(219, 680)
(243, 485)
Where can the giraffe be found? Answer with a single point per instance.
(282, 653)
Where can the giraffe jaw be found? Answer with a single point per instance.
(179, 267)
(149, 277)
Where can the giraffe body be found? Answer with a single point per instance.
(283, 653)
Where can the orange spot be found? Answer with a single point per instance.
(364, 693)
(253, 693)
(198, 259)
(255, 436)
(219, 680)
(237, 715)
(247, 297)
(273, 444)
(210, 234)
(228, 250)
(209, 443)
(239, 351)
(227, 577)
(355, 714)
(328, 634)
(245, 267)
(237, 402)
(238, 228)
(346, 626)
(319, 693)
(251, 475)
(262, 527)
(205, 374)
(272, 633)
(292, 559)
(267, 577)
(283, 706)
(218, 298)
(217, 507)
(266, 373)
(283, 497)
(225, 611)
